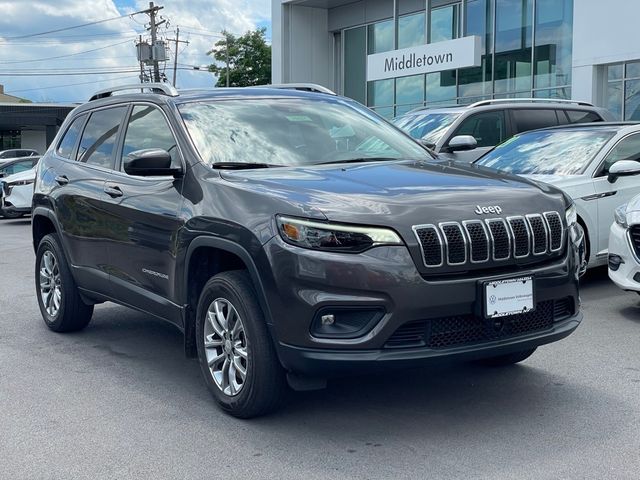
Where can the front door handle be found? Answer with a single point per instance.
(62, 180)
(113, 191)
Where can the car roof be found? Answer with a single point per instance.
(594, 126)
(203, 94)
(501, 105)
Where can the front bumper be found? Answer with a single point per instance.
(628, 266)
(306, 282)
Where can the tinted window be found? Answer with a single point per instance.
(488, 128)
(548, 152)
(627, 149)
(531, 119)
(99, 137)
(576, 116)
(148, 128)
(68, 142)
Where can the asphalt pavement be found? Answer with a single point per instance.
(119, 400)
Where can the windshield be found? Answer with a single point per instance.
(430, 127)
(292, 132)
(550, 152)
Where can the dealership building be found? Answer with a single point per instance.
(395, 55)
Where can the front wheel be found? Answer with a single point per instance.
(236, 354)
(60, 303)
(508, 359)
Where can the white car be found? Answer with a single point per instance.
(597, 165)
(624, 246)
(16, 194)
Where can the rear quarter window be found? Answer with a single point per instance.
(532, 119)
(577, 116)
(70, 138)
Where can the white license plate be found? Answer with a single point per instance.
(508, 297)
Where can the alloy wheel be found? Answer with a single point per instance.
(225, 346)
(50, 283)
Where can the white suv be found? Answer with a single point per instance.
(16, 194)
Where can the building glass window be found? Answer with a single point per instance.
(622, 91)
(553, 43)
(411, 30)
(445, 23)
(514, 63)
(513, 45)
(355, 63)
(380, 38)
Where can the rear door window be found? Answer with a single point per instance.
(532, 119)
(488, 128)
(98, 142)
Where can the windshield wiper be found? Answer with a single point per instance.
(241, 165)
(359, 160)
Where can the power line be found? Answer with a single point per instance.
(120, 76)
(64, 56)
(31, 35)
(137, 70)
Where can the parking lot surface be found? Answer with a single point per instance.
(119, 400)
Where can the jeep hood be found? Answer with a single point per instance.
(404, 192)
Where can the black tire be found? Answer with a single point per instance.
(508, 359)
(264, 386)
(72, 314)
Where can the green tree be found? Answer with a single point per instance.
(249, 59)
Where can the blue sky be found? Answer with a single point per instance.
(28, 68)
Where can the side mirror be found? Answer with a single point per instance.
(461, 143)
(153, 162)
(623, 168)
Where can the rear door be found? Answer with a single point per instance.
(144, 212)
(79, 193)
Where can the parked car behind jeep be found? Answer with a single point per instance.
(465, 133)
(292, 236)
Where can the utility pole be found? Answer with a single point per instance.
(141, 64)
(175, 57)
(153, 27)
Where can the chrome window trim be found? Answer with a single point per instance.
(415, 229)
(446, 242)
(533, 236)
(465, 224)
(488, 221)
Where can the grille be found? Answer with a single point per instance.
(456, 244)
(538, 233)
(431, 245)
(477, 241)
(634, 235)
(459, 330)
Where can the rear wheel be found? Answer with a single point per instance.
(237, 357)
(60, 303)
(508, 359)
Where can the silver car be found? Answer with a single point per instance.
(465, 133)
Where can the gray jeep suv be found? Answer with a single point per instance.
(465, 133)
(294, 235)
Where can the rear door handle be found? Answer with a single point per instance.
(113, 191)
(62, 180)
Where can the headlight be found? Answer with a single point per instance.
(620, 215)
(334, 237)
(571, 215)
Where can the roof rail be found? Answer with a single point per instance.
(307, 87)
(482, 103)
(164, 88)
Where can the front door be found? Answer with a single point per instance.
(612, 195)
(145, 215)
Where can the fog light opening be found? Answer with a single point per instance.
(345, 322)
(614, 263)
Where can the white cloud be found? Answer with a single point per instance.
(196, 18)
